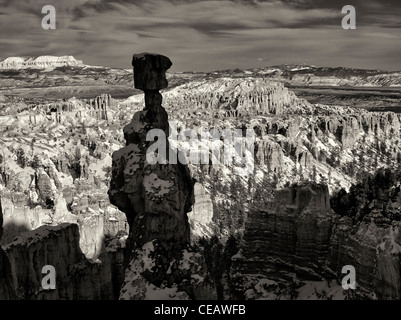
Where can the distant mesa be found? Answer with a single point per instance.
(41, 62)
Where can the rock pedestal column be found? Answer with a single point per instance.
(155, 197)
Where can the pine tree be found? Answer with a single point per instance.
(231, 248)
(351, 169)
(314, 174)
(201, 177)
(295, 171)
(32, 145)
(36, 163)
(235, 188)
(375, 161)
(383, 148)
(276, 177)
(76, 164)
(398, 158)
(389, 160)
(301, 174)
(323, 179)
(251, 184)
(21, 158)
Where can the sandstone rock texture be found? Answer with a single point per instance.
(291, 234)
(374, 252)
(150, 71)
(289, 127)
(200, 218)
(7, 291)
(65, 112)
(299, 234)
(156, 199)
(76, 277)
(100, 106)
(230, 97)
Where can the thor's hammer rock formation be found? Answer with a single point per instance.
(156, 199)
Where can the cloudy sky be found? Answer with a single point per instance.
(206, 35)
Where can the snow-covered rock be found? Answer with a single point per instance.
(41, 62)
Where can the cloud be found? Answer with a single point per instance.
(205, 34)
(209, 15)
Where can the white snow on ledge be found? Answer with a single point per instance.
(30, 237)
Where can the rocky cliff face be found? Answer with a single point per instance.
(201, 216)
(229, 97)
(156, 199)
(291, 234)
(7, 291)
(299, 235)
(374, 251)
(24, 212)
(65, 111)
(64, 179)
(76, 277)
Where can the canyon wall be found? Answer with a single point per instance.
(374, 251)
(76, 277)
(7, 291)
(229, 97)
(200, 218)
(291, 234)
(299, 234)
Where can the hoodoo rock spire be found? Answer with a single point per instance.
(155, 198)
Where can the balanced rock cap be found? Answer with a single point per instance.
(150, 71)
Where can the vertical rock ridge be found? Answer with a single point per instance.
(156, 199)
(77, 278)
(6, 287)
